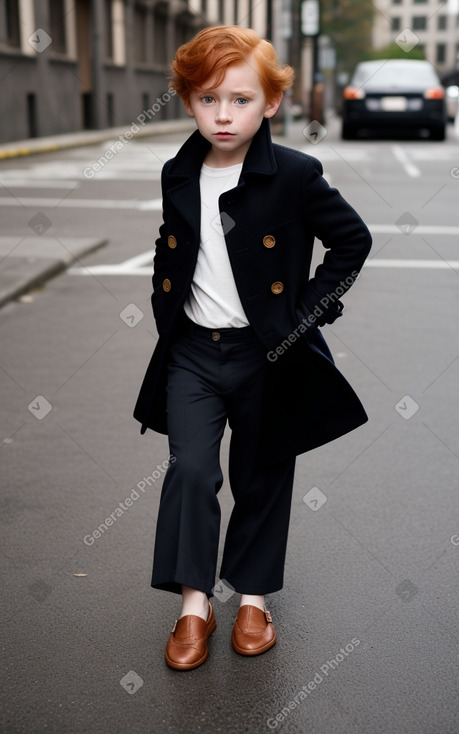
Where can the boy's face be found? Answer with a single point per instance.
(230, 115)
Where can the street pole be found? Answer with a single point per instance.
(310, 28)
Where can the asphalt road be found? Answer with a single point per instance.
(367, 621)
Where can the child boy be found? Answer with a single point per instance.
(237, 316)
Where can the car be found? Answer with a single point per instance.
(390, 94)
(452, 101)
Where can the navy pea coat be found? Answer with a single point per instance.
(270, 220)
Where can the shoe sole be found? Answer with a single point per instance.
(190, 666)
(258, 651)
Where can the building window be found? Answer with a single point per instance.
(160, 37)
(419, 2)
(396, 2)
(108, 29)
(140, 39)
(56, 14)
(419, 23)
(183, 31)
(396, 24)
(442, 22)
(441, 53)
(9, 22)
(221, 11)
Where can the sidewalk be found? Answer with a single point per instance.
(18, 148)
(22, 265)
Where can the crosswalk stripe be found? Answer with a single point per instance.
(418, 264)
(135, 265)
(140, 205)
(419, 229)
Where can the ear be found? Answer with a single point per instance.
(272, 107)
(188, 108)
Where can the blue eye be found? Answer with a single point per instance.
(207, 99)
(242, 100)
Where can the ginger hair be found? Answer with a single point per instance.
(214, 49)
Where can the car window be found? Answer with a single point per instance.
(393, 73)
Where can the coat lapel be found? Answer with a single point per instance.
(184, 171)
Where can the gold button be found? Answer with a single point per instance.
(215, 336)
(269, 240)
(166, 285)
(171, 241)
(277, 287)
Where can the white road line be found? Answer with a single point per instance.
(133, 266)
(435, 153)
(141, 205)
(110, 175)
(402, 264)
(134, 262)
(27, 183)
(402, 157)
(420, 229)
(127, 267)
(111, 270)
(419, 264)
(326, 154)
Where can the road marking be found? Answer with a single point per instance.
(111, 270)
(25, 183)
(26, 201)
(137, 265)
(325, 153)
(435, 153)
(109, 175)
(402, 157)
(417, 264)
(128, 267)
(420, 229)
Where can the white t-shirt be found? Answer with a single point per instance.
(213, 300)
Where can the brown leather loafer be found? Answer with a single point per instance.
(187, 645)
(253, 631)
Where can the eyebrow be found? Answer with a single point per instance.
(239, 92)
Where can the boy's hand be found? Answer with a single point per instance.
(315, 315)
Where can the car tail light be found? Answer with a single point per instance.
(434, 93)
(353, 93)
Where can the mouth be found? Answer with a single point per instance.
(222, 134)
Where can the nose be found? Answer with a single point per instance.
(223, 113)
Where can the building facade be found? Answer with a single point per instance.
(69, 65)
(433, 27)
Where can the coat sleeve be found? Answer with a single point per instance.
(346, 238)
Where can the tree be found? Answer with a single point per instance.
(349, 25)
(395, 52)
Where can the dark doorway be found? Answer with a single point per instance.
(32, 115)
(84, 39)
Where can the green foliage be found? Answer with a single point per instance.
(349, 24)
(395, 52)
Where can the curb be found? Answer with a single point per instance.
(20, 274)
(19, 148)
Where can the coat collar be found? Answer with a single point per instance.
(259, 158)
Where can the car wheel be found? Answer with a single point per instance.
(348, 132)
(438, 133)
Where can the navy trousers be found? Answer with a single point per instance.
(215, 376)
